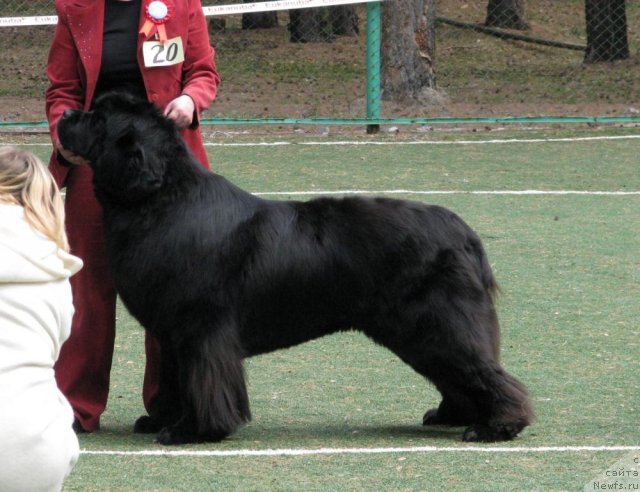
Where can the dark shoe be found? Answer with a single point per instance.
(77, 427)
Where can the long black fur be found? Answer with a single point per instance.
(218, 275)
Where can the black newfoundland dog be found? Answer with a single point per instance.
(218, 275)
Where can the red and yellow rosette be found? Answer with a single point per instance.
(157, 12)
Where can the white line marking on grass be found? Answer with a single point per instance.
(440, 192)
(427, 142)
(391, 142)
(344, 451)
(448, 192)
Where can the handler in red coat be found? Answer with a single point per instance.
(157, 49)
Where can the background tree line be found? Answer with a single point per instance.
(408, 35)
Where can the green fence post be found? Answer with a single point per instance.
(373, 64)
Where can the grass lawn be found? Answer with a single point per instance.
(569, 268)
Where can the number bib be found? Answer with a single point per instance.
(157, 54)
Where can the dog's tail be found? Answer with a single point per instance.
(472, 273)
(487, 277)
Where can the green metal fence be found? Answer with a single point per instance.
(536, 69)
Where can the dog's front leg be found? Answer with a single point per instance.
(212, 388)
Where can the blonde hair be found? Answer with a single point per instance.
(26, 181)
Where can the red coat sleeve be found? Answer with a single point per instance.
(200, 77)
(66, 78)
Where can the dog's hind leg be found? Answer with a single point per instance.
(481, 395)
(476, 390)
(455, 346)
(455, 409)
(213, 390)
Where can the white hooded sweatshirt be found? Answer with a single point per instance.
(38, 447)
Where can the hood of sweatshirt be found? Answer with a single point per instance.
(26, 255)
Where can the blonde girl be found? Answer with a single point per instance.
(39, 447)
(25, 181)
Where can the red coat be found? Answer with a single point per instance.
(74, 65)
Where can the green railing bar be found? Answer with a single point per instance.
(373, 64)
(424, 121)
(387, 121)
(23, 124)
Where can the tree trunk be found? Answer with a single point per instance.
(606, 31)
(344, 20)
(508, 14)
(408, 48)
(322, 24)
(310, 26)
(259, 20)
(217, 24)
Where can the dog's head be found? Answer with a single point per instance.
(126, 141)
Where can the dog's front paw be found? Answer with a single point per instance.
(431, 417)
(181, 433)
(486, 433)
(147, 425)
(174, 434)
(438, 416)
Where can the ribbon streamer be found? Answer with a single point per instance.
(157, 13)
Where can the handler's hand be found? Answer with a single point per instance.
(180, 110)
(70, 156)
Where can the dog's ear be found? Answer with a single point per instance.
(128, 144)
(141, 175)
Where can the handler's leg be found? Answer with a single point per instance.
(82, 370)
(84, 366)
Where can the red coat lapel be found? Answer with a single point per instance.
(86, 23)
